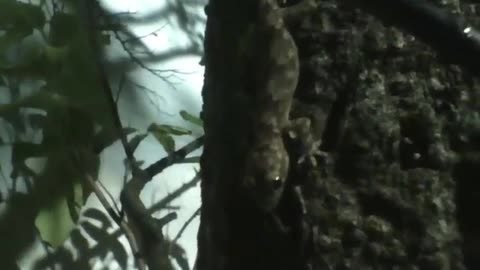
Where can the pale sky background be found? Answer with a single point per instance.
(163, 107)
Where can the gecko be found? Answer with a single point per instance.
(275, 76)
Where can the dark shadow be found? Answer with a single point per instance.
(105, 243)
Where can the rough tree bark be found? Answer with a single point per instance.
(400, 131)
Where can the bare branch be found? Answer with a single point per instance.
(175, 157)
(114, 205)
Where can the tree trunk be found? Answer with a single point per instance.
(398, 130)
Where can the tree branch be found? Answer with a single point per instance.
(119, 220)
(91, 6)
(174, 157)
(170, 197)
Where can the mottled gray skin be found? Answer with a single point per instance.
(276, 72)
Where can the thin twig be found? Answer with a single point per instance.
(156, 72)
(120, 221)
(148, 92)
(114, 204)
(132, 39)
(171, 54)
(175, 194)
(105, 85)
(185, 225)
(121, 83)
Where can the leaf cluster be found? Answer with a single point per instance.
(52, 107)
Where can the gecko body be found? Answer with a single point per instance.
(275, 77)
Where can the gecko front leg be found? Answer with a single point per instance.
(300, 131)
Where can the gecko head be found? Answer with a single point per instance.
(266, 172)
(269, 14)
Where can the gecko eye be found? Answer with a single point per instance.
(277, 183)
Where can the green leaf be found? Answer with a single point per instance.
(135, 141)
(55, 54)
(94, 232)
(63, 27)
(18, 20)
(165, 140)
(79, 242)
(18, 14)
(31, 64)
(169, 129)
(36, 120)
(41, 99)
(191, 118)
(100, 235)
(54, 223)
(120, 254)
(12, 37)
(163, 134)
(98, 216)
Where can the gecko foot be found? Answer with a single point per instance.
(309, 157)
(301, 132)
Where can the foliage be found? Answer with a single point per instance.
(48, 74)
(108, 243)
(191, 118)
(56, 222)
(164, 133)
